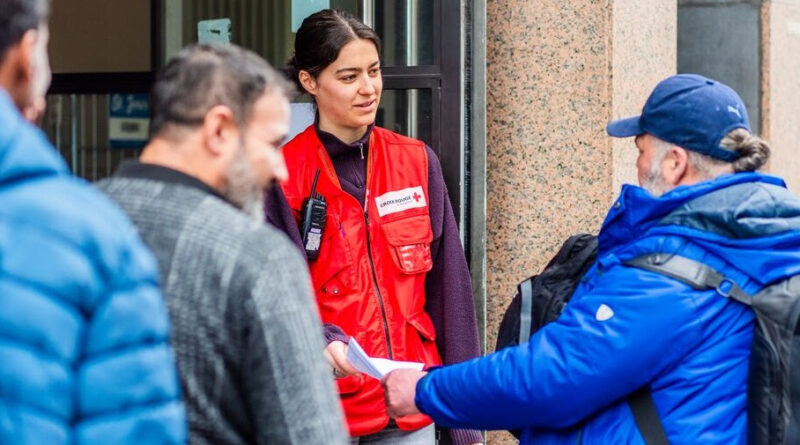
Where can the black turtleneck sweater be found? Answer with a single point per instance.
(350, 161)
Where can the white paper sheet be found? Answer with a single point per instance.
(373, 366)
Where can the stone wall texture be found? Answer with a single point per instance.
(557, 72)
(781, 87)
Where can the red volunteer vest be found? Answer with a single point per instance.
(369, 277)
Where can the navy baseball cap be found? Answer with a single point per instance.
(690, 111)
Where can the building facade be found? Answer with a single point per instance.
(513, 95)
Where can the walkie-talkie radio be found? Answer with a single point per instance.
(313, 222)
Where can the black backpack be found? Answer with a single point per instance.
(773, 380)
(544, 296)
(773, 387)
(541, 298)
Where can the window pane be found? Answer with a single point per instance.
(406, 29)
(407, 112)
(77, 124)
(265, 27)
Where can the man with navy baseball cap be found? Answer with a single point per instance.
(691, 111)
(638, 356)
(691, 129)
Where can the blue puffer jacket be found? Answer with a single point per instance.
(84, 352)
(626, 327)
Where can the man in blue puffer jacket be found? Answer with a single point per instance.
(627, 328)
(84, 348)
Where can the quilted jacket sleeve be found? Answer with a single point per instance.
(84, 353)
(609, 341)
(126, 383)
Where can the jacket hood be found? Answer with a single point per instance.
(746, 218)
(24, 150)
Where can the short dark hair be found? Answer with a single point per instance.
(201, 77)
(17, 17)
(320, 38)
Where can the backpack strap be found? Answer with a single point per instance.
(526, 303)
(646, 417)
(694, 273)
(699, 276)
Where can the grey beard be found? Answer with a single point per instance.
(242, 189)
(654, 181)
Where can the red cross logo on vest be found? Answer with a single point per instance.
(417, 196)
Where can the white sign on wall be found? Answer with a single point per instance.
(304, 8)
(214, 31)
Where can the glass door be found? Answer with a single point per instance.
(106, 52)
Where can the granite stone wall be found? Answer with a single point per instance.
(557, 72)
(781, 87)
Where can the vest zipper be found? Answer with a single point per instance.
(375, 280)
(369, 252)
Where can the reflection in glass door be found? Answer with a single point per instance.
(266, 27)
(421, 69)
(77, 125)
(406, 28)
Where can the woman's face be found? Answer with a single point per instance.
(348, 90)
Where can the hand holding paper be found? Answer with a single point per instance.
(373, 366)
(336, 356)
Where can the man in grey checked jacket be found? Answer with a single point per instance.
(246, 333)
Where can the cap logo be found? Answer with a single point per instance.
(735, 111)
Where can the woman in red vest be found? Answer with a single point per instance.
(388, 268)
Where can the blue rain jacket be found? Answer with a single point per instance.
(84, 351)
(626, 327)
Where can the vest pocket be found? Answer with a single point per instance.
(331, 271)
(423, 324)
(333, 279)
(333, 286)
(349, 384)
(421, 338)
(409, 243)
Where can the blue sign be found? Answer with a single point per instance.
(128, 120)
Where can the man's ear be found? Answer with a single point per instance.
(308, 81)
(219, 130)
(26, 46)
(17, 69)
(675, 166)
